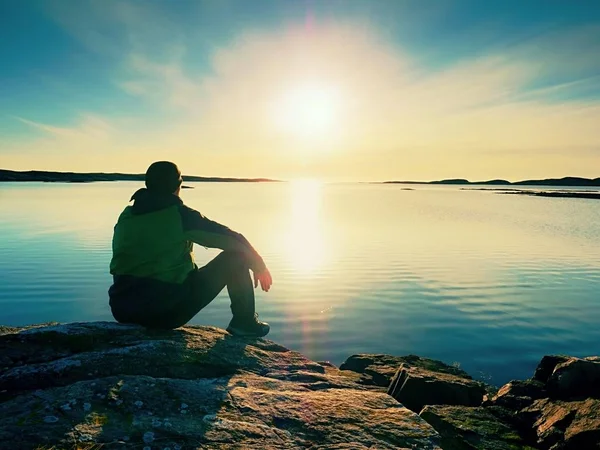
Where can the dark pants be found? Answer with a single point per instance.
(229, 269)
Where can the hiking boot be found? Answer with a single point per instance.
(249, 327)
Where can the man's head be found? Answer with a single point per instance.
(163, 177)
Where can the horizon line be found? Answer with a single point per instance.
(267, 179)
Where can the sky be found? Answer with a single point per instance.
(339, 90)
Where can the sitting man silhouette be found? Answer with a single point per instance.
(156, 282)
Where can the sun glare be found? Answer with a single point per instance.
(308, 111)
(304, 241)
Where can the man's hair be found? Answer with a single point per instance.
(163, 177)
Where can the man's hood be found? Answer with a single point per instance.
(145, 201)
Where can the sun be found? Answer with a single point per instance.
(308, 111)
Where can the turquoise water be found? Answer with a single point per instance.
(490, 281)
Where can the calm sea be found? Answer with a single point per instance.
(491, 282)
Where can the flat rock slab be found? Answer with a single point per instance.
(468, 428)
(77, 385)
(61, 354)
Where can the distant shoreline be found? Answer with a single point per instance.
(74, 177)
(563, 182)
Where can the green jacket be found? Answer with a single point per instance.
(153, 242)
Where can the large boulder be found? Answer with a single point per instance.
(518, 394)
(115, 386)
(547, 365)
(570, 425)
(415, 381)
(379, 369)
(416, 387)
(469, 428)
(569, 377)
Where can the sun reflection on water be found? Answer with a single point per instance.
(303, 241)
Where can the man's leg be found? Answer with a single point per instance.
(229, 269)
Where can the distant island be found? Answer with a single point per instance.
(73, 177)
(567, 181)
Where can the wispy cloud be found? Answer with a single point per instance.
(90, 126)
(164, 82)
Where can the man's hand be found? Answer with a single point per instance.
(264, 278)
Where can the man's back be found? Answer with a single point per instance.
(149, 240)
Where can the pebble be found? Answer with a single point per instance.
(150, 413)
(147, 448)
(126, 438)
(156, 423)
(73, 401)
(183, 411)
(66, 407)
(92, 384)
(177, 447)
(50, 419)
(139, 403)
(87, 406)
(119, 402)
(168, 424)
(148, 437)
(184, 406)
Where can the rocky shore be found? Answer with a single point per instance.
(104, 385)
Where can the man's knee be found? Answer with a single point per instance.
(235, 260)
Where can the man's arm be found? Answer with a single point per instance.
(209, 233)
